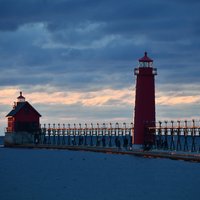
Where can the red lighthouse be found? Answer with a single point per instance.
(23, 117)
(144, 99)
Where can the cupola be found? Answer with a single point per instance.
(145, 61)
(20, 98)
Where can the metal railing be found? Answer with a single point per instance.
(175, 135)
(99, 135)
(167, 135)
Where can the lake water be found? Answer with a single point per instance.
(34, 174)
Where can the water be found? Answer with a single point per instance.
(1, 140)
(34, 174)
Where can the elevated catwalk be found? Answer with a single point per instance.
(175, 140)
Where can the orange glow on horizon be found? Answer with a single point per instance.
(102, 97)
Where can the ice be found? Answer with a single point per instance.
(34, 174)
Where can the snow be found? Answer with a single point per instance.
(34, 174)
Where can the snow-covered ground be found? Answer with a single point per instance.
(34, 174)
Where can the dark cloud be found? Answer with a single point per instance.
(77, 113)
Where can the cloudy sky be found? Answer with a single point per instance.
(74, 59)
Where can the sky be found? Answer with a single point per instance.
(74, 60)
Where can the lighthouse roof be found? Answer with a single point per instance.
(16, 109)
(145, 58)
(20, 106)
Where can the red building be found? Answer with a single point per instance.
(145, 113)
(23, 117)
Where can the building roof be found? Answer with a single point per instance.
(145, 58)
(18, 107)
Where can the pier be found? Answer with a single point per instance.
(175, 140)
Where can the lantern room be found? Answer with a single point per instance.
(145, 61)
(20, 98)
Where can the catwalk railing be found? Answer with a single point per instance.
(174, 136)
(167, 135)
(99, 135)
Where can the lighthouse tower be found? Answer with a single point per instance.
(144, 99)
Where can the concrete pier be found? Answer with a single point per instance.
(175, 155)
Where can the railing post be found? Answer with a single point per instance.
(98, 141)
(74, 135)
(117, 139)
(172, 146)
(49, 134)
(54, 134)
(131, 134)
(58, 135)
(44, 134)
(103, 135)
(125, 137)
(166, 135)
(80, 142)
(178, 145)
(110, 135)
(91, 135)
(185, 136)
(85, 133)
(68, 135)
(63, 135)
(159, 142)
(193, 136)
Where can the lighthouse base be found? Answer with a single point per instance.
(17, 138)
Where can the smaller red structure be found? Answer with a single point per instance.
(23, 117)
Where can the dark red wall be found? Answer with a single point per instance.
(27, 119)
(144, 103)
